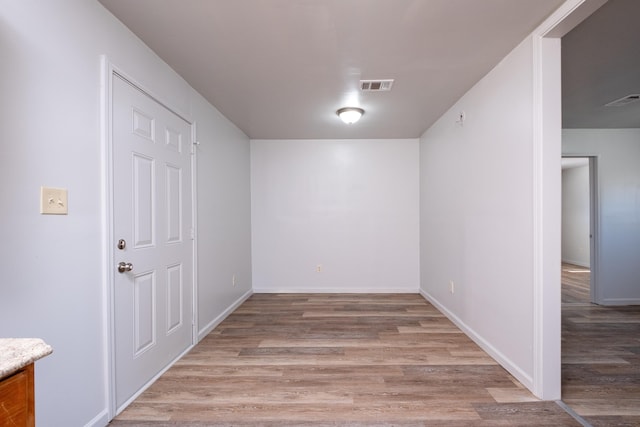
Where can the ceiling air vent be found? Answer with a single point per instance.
(626, 100)
(376, 85)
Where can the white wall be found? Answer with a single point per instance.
(348, 205)
(224, 216)
(618, 176)
(52, 283)
(576, 216)
(476, 205)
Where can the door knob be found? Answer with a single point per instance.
(125, 266)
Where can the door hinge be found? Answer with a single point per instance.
(192, 233)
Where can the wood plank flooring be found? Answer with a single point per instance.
(600, 355)
(338, 360)
(575, 284)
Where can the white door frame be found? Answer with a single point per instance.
(108, 72)
(594, 230)
(547, 152)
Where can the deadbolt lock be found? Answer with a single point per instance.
(122, 244)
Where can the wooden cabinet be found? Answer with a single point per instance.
(16, 399)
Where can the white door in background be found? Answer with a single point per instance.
(152, 222)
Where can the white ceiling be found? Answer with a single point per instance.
(281, 68)
(601, 63)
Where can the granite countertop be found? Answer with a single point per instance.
(16, 353)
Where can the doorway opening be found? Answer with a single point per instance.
(579, 229)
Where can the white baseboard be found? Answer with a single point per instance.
(504, 361)
(215, 322)
(100, 420)
(621, 301)
(407, 290)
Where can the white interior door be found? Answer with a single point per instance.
(153, 292)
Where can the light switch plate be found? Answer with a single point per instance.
(53, 201)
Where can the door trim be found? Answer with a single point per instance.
(547, 126)
(594, 225)
(108, 72)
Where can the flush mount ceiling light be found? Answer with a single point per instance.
(350, 115)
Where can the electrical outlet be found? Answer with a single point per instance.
(319, 268)
(53, 201)
(233, 280)
(452, 286)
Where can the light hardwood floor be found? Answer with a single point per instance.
(357, 360)
(600, 355)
